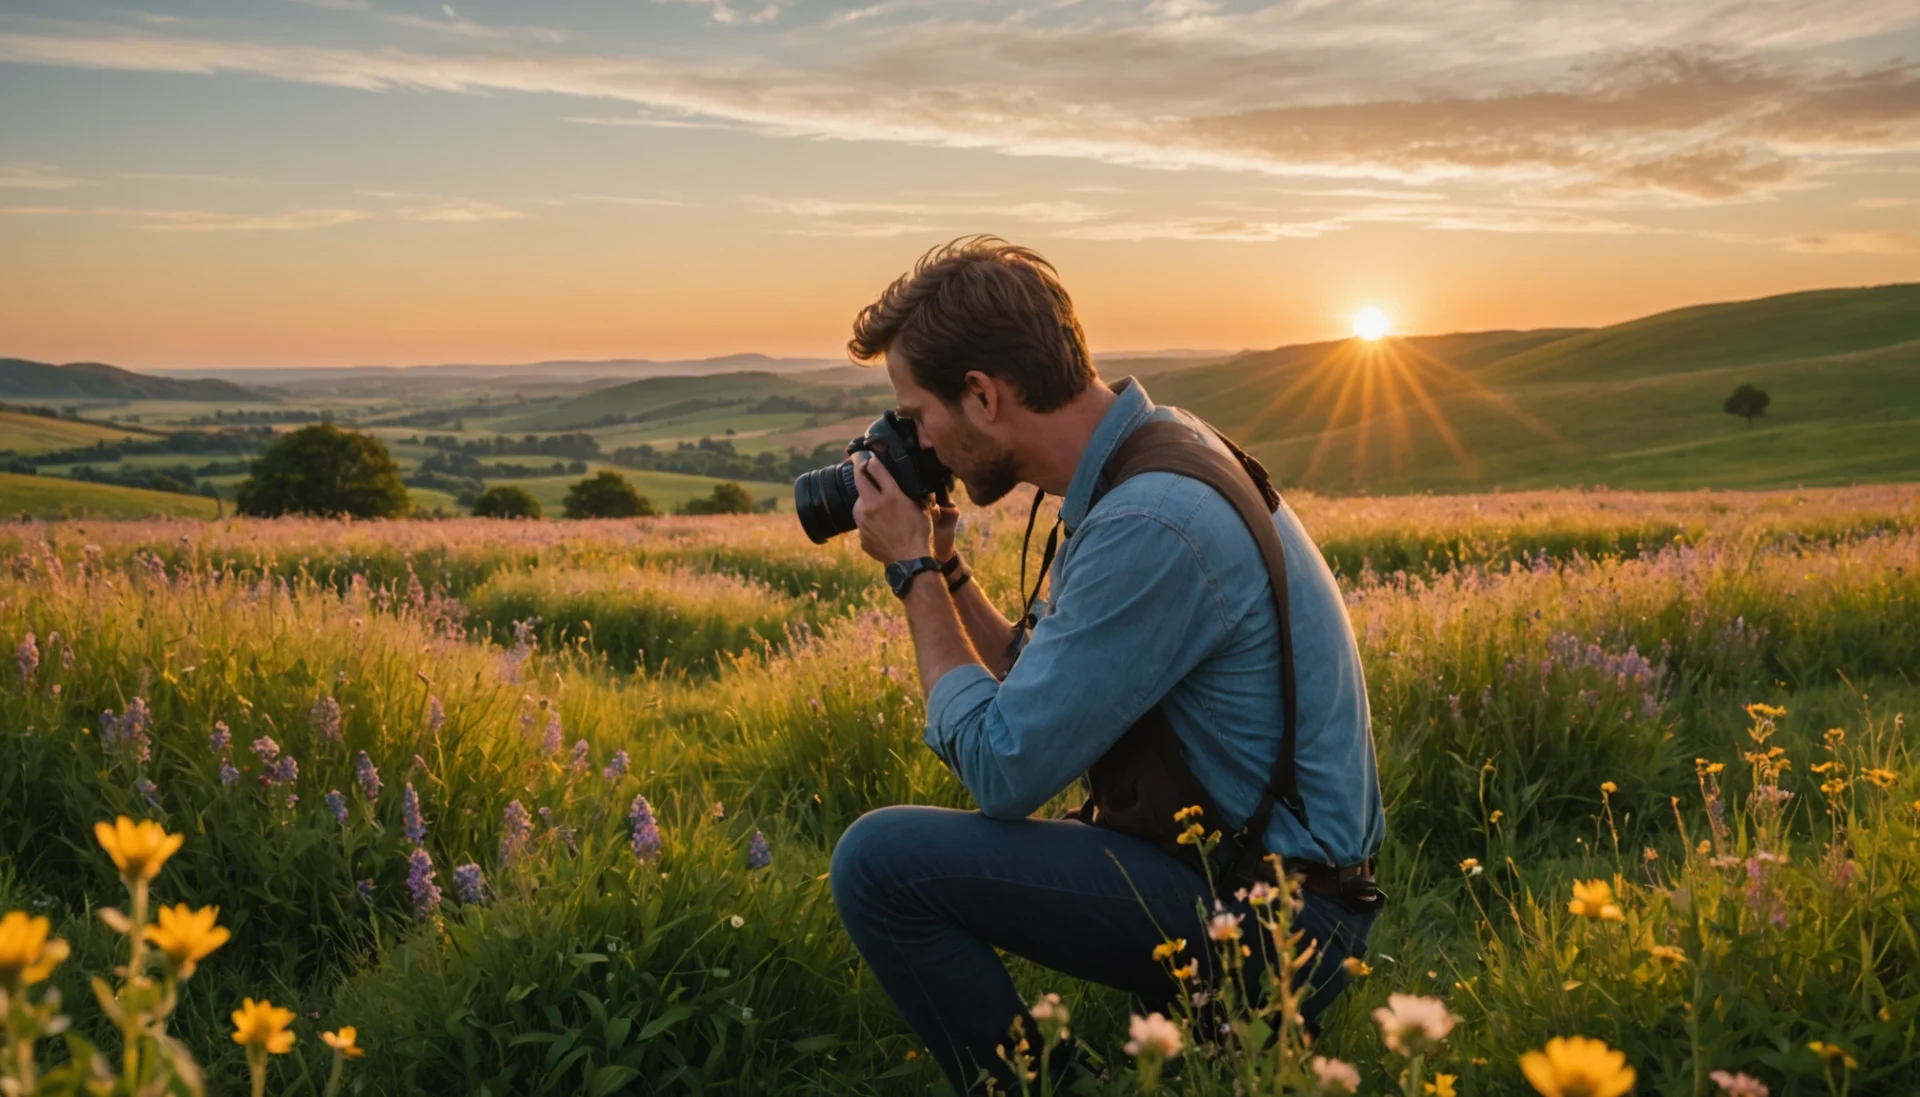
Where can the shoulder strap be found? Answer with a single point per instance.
(1166, 445)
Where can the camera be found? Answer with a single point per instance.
(823, 499)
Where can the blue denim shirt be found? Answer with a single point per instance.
(1159, 594)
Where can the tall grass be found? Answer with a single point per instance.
(753, 686)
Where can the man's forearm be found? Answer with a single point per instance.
(939, 642)
(990, 633)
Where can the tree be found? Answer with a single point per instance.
(324, 470)
(1748, 402)
(606, 494)
(727, 498)
(506, 501)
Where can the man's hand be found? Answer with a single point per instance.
(946, 519)
(892, 525)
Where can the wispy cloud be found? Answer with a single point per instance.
(37, 177)
(191, 177)
(445, 208)
(452, 23)
(1613, 107)
(179, 220)
(629, 200)
(723, 11)
(936, 212)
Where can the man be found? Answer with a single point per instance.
(1159, 597)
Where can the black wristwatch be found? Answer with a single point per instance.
(900, 573)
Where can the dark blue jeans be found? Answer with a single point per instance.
(928, 894)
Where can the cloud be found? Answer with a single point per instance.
(1561, 106)
(444, 208)
(167, 220)
(37, 177)
(628, 200)
(1039, 212)
(724, 12)
(191, 177)
(453, 24)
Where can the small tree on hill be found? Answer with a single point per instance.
(606, 494)
(324, 470)
(727, 498)
(1748, 402)
(506, 501)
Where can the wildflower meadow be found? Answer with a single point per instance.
(497, 807)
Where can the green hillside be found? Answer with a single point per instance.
(56, 497)
(1635, 405)
(26, 434)
(97, 380)
(666, 400)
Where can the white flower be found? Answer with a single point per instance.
(1224, 927)
(1334, 1076)
(1153, 1036)
(737, 921)
(1262, 893)
(1410, 1024)
(1738, 1085)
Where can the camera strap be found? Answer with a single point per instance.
(1027, 618)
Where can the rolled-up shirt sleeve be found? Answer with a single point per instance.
(1136, 610)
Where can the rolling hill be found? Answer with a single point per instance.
(664, 399)
(57, 497)
(28, 434)
(97, 380)
(1634, 405)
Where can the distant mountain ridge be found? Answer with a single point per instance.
(20, 378)
(612, 369)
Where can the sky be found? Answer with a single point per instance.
(259, 183)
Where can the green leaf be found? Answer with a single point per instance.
(666, 1020)
(609, 1078)
(812, 1044)
(521, 990)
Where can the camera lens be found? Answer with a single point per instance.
(823, 501)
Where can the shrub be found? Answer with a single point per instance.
(606, 494)
(727, 498)
(324, 470)
(506, 501)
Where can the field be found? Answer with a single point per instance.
(23, 433)
(54, 497)
(1544, 670)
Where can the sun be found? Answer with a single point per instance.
(1370, 324)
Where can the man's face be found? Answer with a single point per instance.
(957, 433)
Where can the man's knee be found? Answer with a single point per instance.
(865, 854)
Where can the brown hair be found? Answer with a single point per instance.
(980, 303)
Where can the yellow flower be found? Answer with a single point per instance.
(1574, 1066)
(1442, 1085)
(343, 1042)
(1609, 788)
(1669, 953)
(187, 935)
(1830, 1052)
(1594, 899)
(1356, 967)
(1471, 866)
(1186, 813)
(138, 849)
(263, 1025)
(1167, 950)
(1758, 710)
(27, 955)
(1188, 972)
(1881, 778)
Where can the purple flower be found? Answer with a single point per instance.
(337, 804)
(515, 827)
(292, 799)
(368, 777)
(436, 715)
(324, 718)
(426, 894)
(220, 740)
(411, 822)
(128, 730)
(365, 888)
(472, 885)
(550, 742)
(265, 749)
(285, 771)
(28, 656)
(758, 855)
(646, 832)
(228, 774)
(617, 768)
(148, 791)
(579, 763)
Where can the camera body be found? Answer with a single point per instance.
(823, 499)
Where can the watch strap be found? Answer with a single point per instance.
(901, 573)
